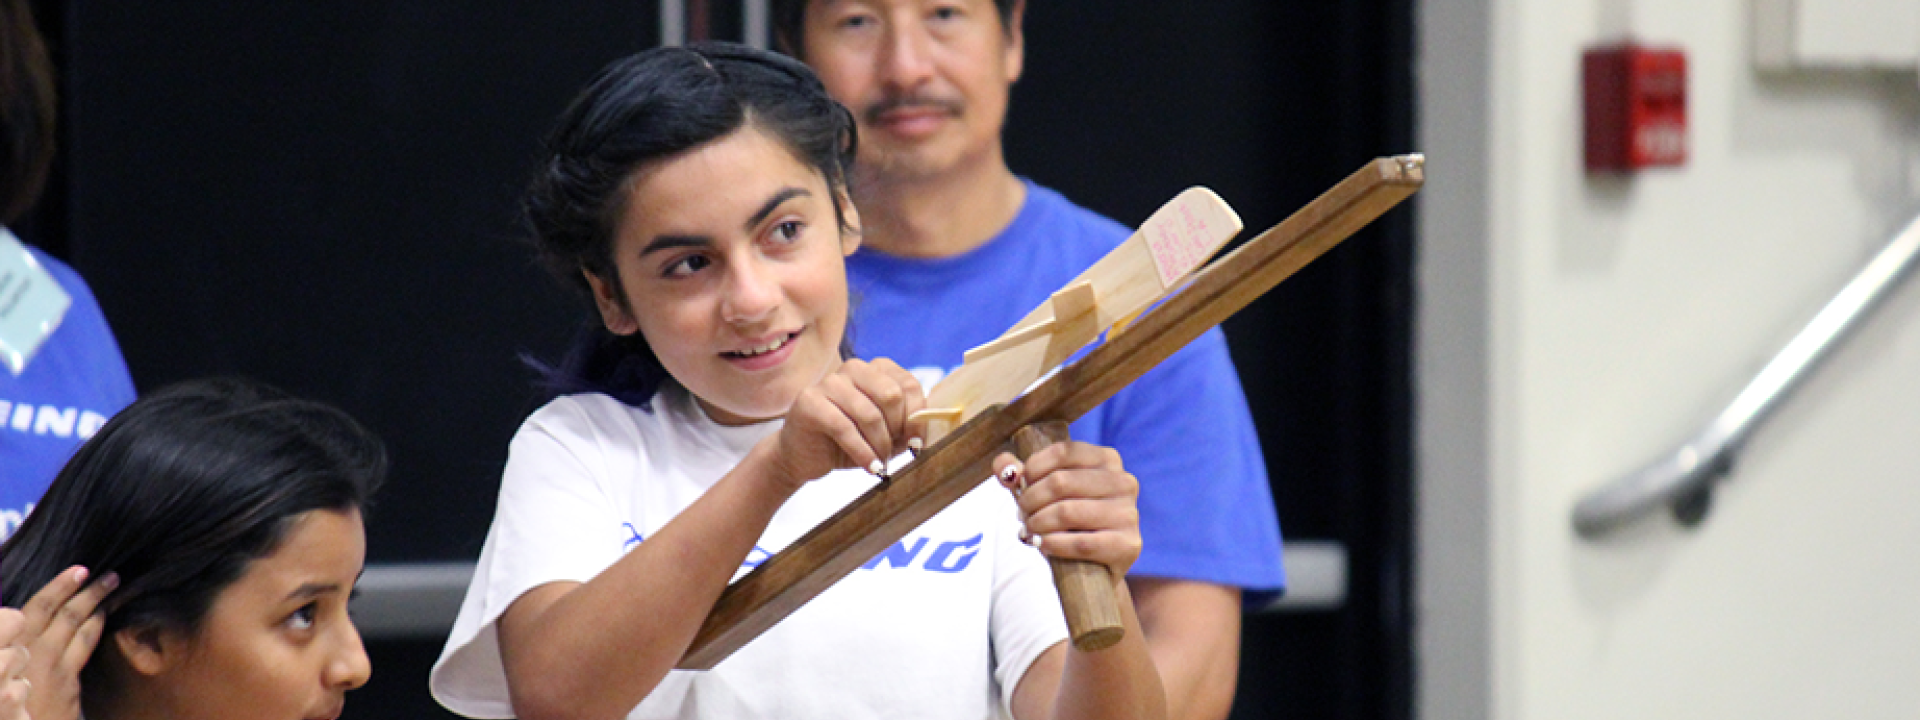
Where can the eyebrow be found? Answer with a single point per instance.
(308, 590)
(669, 242)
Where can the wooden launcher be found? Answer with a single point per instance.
(1107, 296)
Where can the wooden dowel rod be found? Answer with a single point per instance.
(1086, 588)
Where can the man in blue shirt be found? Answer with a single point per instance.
(955, 248)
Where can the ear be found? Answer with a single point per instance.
(1016, 54)
(613, 308)
(849, 235)
(150, 649)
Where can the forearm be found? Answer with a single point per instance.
(598, 648)
(1193, 632)
(1115, 683)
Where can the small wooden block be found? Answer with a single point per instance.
(1072, 301)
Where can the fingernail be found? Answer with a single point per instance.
(916, 444)
(1038, 540)
(1007, 474)
(1026, 538)
(877, 469)
(111, 582)
(80, 575)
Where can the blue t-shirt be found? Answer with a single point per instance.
(1183, 429)
(68, 390)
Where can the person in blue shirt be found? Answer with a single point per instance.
(64, 393)
(956, 248)
(76, 379)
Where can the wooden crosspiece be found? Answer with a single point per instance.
(961, 460)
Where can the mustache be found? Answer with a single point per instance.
(908, 101)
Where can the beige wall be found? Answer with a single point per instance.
(1573, 328)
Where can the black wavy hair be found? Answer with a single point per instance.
(643, 109)
(181, 490)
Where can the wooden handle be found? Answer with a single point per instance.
(1086, 587)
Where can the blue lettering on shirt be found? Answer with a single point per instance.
(897, 556)
(948, 557)
(940, 561)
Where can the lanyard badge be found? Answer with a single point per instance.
(31, 303)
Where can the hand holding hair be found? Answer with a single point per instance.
(63, 623)
(14, 686)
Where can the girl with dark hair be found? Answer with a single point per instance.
(229, 517)
(698, 195)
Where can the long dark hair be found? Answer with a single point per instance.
(181, 490)
(643, 109)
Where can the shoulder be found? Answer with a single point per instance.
(586, 424)
(1048, 213)
(70, 281)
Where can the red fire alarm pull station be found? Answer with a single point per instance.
(1636, 114)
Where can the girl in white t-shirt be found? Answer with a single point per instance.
(699, 195)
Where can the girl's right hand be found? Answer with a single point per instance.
(14, 687)
(855, 417)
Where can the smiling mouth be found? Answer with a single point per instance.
(777, 343)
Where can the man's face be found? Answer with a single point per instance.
(927, 79)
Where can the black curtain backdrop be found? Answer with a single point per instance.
(321, 195)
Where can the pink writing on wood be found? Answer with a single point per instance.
(1179, 246)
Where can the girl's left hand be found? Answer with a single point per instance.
(1079, 502)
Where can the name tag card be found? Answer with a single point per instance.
(31, 304)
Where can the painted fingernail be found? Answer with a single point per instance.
(1007, 475)
(1026, 538)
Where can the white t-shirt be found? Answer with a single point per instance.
(942, 625)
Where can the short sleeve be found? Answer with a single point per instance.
(550, 525)
(1026, 618)
(1206, 510)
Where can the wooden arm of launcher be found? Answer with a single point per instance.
(960, 461)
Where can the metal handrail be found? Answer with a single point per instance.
(1684, 479)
